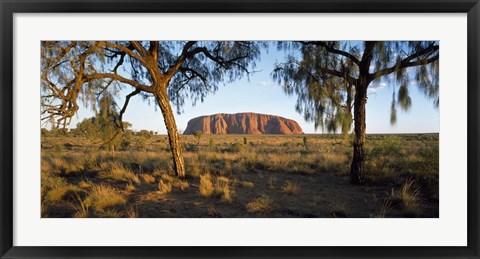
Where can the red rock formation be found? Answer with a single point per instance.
(242, 123)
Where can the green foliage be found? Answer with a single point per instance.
(198, 135)
(124, 145)
(390, 147)
(103, 127)
(144, 134)
(236, 147)
(142, 143)
(211, 144)
(393, 111)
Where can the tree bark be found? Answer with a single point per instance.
(357, 172)
(112, 149)
(173, 137)
(347, 122)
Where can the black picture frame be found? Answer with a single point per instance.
(9, 7)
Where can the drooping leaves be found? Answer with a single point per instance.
(324, 75)
(393, 110)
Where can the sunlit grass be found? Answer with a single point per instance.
(206, 186)
(102, 197)
(116, 172)
(266, 165)
(164, 187)
(259, 205)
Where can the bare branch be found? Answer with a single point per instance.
(124, 108)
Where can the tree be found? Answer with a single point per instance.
(328, 75)
(144, 134)
(167, 71)
(102, 126)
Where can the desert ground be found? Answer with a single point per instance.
(240, 176)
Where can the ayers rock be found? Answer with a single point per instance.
(242, 123)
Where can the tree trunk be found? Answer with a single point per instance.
(347, 120)
(173, 138)
(357, 173)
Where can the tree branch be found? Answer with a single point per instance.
(120, 79)
(403, 64)
(153, 49)
(126, 49)
(124, 108)
(181, 59)
(331, 50)
(138, 46)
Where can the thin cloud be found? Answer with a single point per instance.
(376, 87)
(265, 83)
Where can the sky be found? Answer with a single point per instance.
(261, 94)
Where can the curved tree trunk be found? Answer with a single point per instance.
(357, 172)
(173, 138)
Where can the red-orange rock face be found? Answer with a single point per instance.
(242, 123)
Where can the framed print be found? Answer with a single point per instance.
(239, 129)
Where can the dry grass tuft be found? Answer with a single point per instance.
(386, 208)
(85, 184)
(206, 185)
(247, 184)
(222, 188)
(164, 187)
(110, 213)
(131, 211)
(147, 179)
(182, 185)
(159, 173)
(61, 193)
(227, 195)
(290, 188)
(103, 196)
(64, 165)
(271, 183)
(130, 187)
(407, 199)
(116, 172)
(81, 209)
(259, 205)
(168, 178)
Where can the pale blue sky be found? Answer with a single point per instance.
(262, 95)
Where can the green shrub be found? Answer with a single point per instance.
(235, 147)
